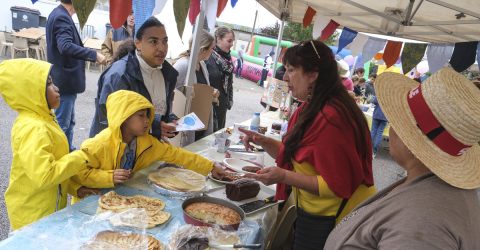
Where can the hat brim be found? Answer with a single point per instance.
(346, 74)
(459, 171)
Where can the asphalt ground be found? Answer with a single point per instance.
(246, 101)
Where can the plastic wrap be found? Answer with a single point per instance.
(188, 233)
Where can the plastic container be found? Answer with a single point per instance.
(24, 18)
(255, 123)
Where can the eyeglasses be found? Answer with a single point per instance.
(314, 48)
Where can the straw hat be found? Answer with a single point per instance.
(343, 68)
(446, 107)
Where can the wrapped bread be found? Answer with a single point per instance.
(242, 189)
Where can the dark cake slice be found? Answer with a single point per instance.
(242, 189)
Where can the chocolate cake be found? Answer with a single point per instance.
(242, 189)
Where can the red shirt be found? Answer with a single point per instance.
(348, 83)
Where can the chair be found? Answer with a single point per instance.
(40, 49)
(4, 44)
(281, 235)
(20, 44)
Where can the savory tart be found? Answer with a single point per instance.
(122, 241)
(213, 213)
(178, 179)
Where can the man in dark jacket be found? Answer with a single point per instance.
(146, 72)
(67, 54)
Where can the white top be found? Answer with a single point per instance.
(269, 62)
(155, 83)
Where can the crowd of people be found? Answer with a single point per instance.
(324, 161)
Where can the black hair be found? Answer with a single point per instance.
(123, 49)
(66, 1)
(150, 22)
(328, 89)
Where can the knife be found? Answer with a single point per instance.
(254, 205)
(249, 246)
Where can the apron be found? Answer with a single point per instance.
(311, 231)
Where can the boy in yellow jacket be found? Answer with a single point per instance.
(126, 146)
(41, 164)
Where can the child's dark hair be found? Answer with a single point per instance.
(150, 22)
(66, 1)
(125, 47)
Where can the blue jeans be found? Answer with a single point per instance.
(66, 116)
(377, 133)
(264, 77)
(238, 70)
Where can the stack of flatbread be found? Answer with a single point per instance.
(178, 179)
(133, 206)
(122, 241)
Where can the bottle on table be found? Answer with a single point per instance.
(255, 123)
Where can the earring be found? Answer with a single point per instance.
(309, 96)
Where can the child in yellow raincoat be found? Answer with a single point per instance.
(126, 146)
(41, 164)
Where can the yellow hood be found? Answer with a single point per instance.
(121, 105)
(30, 95)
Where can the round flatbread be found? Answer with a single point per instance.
(120, 240)
(178, 179)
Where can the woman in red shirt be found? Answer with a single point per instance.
(326, 157)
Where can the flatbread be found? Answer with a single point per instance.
(123, 241)
(178, 179)
(131, 210)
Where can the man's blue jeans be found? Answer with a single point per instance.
(66, 116)
(377, 133)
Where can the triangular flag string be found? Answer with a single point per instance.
(221, 6)
(347, 36)
(463, 56)
(180, 11)
(193, 11)
(233, 2)
(318, 26)
(308, 17)
(392, 52)
(119, 12)
(372, 46)
(329, 30)
(142, 10)
(412, 54)
(438, 56)
(159, 4)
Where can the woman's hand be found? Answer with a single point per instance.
(218, 171)
(120, 175)
(83, 192)
(269, 176)
(168, 129)
(252, 136)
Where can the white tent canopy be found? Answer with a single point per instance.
(438, 21)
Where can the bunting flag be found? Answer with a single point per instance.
(180, 11)
(319, 24)
(412, 54)
(438, 56)
(34, 1)
(211, 14)
(193, 10)
(356, 46)
(308, 17)
(142, 10)
(119, 12)
(392, 52)
(372, 46)
(159, 4)
(221, 6)
(83, 9)
(233, 2)
(464, 55)
(346, 38)
(329, 30)
(478, 55)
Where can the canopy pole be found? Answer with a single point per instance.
(192, 61)
(253, 30)
(279, 47)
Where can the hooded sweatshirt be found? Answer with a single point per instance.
(108, 146)
(41, 165)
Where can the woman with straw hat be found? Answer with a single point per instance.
(434, 136)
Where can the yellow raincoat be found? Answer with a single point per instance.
(41, 165)
(108, 147)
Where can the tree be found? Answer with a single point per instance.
(295, 32)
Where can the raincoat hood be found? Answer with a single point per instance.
(121, 105)
(23, 85)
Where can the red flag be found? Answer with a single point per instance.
(193, 11)
(307, 19)
(119, 11)
(392, 52)
(221, 6)
(328, 30)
